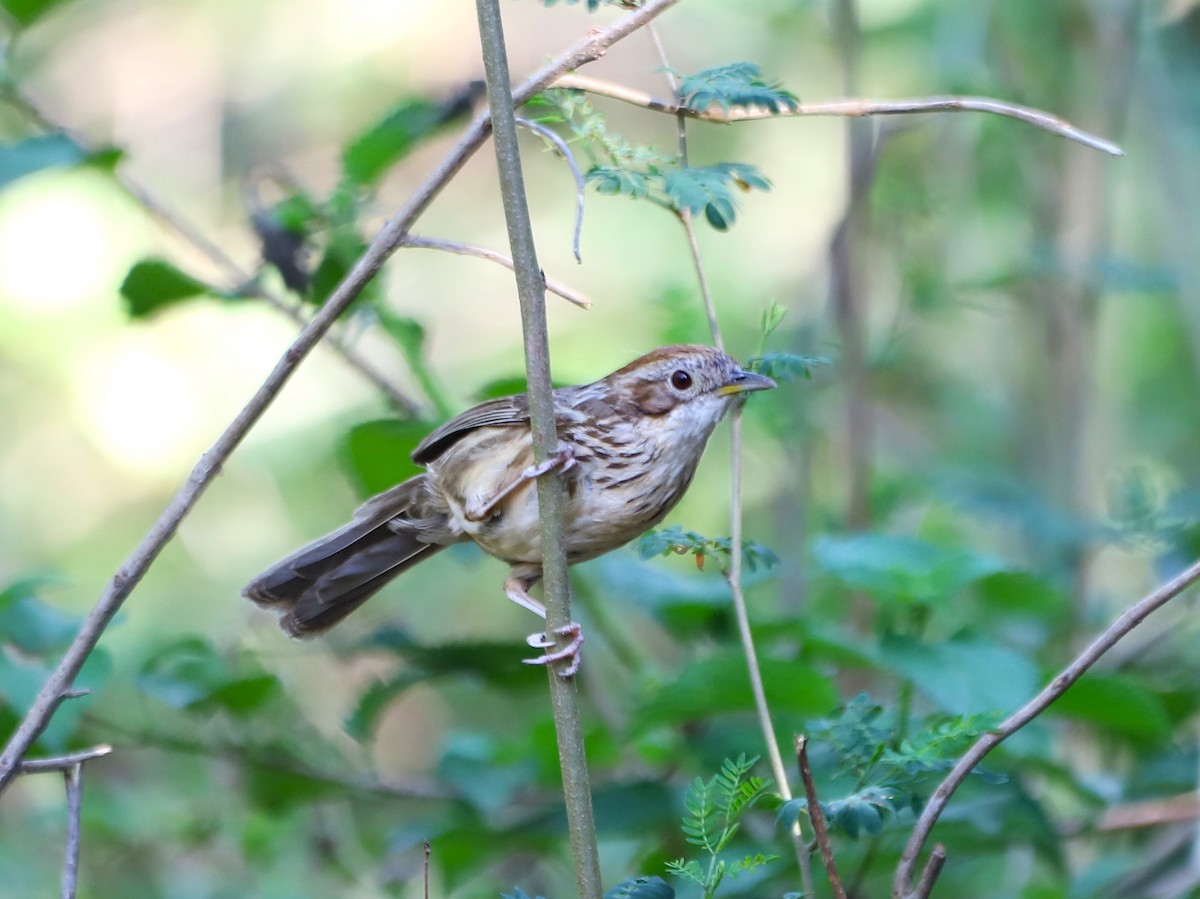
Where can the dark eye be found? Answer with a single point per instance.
(681, 380)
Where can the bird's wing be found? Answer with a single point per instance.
(508, 410)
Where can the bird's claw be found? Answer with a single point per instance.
(563, 458)
(571, 653)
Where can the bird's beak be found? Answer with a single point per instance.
(745, 382)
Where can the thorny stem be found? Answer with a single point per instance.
(551, 490)
(389, 238)
(734, 574)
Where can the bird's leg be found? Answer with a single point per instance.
(516, 588)
(563, 459)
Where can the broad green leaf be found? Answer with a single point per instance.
(720, 684)
(32, 625)
(154, 284)
(372, 153)
(37, 153)
(964, 675)
(362, 721)
(904, 569)
(1116, 703)
(470, 763)
(377, 454)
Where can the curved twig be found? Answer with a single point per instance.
(902, 886)
(389, 238)
(853, 107)
(462, 249)
(561, 145)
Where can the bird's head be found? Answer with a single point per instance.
(687, 388)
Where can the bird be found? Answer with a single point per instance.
(628, 447)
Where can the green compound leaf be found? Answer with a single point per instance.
(737, 85)
(710, 190)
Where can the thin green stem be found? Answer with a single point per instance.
(552, 494)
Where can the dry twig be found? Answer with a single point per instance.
(853, 108)
(462, 249)
(817, 817)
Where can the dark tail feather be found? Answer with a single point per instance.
(319, 585)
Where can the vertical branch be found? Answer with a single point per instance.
(552, 495)
(74, 781)
(818, 818)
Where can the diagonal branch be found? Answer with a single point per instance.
(852, 108)
(389, 238)
(462, 249)
(902, 885)
(817, 817)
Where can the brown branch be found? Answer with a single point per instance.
(462, 249)
(852, 108)
(1151, 813)
(64, 762)
(817, 817)
(902, 885)
(389, 238)
(73, 777)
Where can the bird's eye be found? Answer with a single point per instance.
(681, 380)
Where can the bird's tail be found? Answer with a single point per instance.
(316, 587)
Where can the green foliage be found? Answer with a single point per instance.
(737, 85)
(377, 454)
(641, 172)
(710, 190)
(155, 284)
(373, 152)
(785, 367)
(713, 809)
(677, 540)
(890, 773)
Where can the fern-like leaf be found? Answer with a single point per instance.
(737, 85)
(709, 189)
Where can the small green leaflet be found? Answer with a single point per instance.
(154, 284)
(710, 190)
(737, 85)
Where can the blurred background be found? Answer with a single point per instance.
(1002, 454)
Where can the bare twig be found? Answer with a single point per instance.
(425, 869)
(64, 762)
(462, 249)
(551, 490)
(902, 885)
(851, 107)
(818, 818)
(190, 234)
(74, 782)
(389, 238)
(548, 134)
